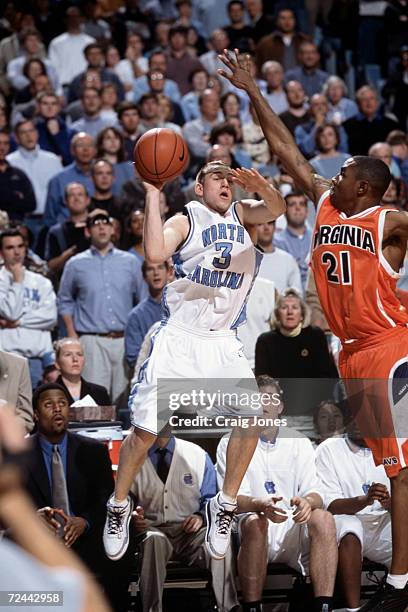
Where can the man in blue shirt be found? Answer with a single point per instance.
(98, 289)
(297, 237)
(308, 73)
(148, 311)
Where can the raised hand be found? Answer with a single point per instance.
(250, 180)
(240, 67)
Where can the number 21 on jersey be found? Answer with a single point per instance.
(338, 269)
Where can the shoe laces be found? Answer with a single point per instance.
(223, 521)
(116, 515)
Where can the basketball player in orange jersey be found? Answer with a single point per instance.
(357, 252)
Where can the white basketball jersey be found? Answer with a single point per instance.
(215, 270)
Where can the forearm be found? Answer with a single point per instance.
(352, 505)
(69, 324)
(153, 237)
(57, 263)
(247, 503)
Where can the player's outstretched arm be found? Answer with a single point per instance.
(279, 138)
(396, 224)
(161, 241)
(269, 208)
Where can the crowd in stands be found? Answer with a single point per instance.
(80, 82)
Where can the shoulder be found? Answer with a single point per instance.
(267, 337)
(47, 156)
(330, 445)
(58, 40)
(314, 332)
(86, 444)
(189, 447)
(136, 310)
(12, 359)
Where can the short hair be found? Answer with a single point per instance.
(211, 167)
(148, 96)
(48, 387)
(320, 130)
(91, 46)
(334, 80)
(59, 344)
(46, 94)
(98, 160)
(363, 89)
(5, 131)
(24, 34)
(263, 380)
(69, 185)
(292, 292)
(397, 137)
(231, 2)
(225, 97)
(374, 171)
(90, 88)
(197, 71)
(11, 232)
(296, 193)
(125, 106)
(178, 29)
(22, 122)
(222, 128)
(148, 263)
(324, 402)
(156, 52)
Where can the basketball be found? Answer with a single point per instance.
(160, 155)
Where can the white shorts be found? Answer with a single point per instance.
(288, 543)
(373, 531)
(179, 352)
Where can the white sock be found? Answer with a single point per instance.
(352, 609)
(397, 580)
(226, 499)
(121, 504)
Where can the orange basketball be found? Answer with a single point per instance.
(160, 155)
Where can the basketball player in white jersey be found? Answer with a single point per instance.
(216, 262)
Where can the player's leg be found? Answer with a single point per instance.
(252, 559)
(349, 569)
(323, 557)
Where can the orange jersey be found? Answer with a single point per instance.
(355, 283)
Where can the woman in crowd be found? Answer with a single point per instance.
(329, 160)
(341, 108)
(110, 146)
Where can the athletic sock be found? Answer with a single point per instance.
(252, 606)
(352, 609)
(323, 604)
(397, 580)
(121, 504)
(226, 499)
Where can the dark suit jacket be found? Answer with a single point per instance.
(89, 483)
(97, 392)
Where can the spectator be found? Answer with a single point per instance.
(231, 106)
(225, 135)
(238, 31)
(297, 111)
(27, 110)
(83, 151)
(95, 59)
(280, 495)
(296, 238)
(70, 361)
(129, 68)
(148, 311)
(15, 387)
(399, 146)
(218, 41)
(156, 82)
(383, 151)
(283, 44)
(254, 141)
(196, 132)
(17, 194)
(103, 176)
(329, 160)
(40, 166)
(175, 528)
(357, 493)
(101, 322)
(27, 302)
(395, 90)
(261, 24)
(93, 24)
(32, 48)
(53, 133)
(47, 21)
(185, 18)
(341, 108)
(68, 238)
(110, 146)
(272, 72)
(189, 102)
(369, 125)
(92, 121)
(32, 69)
(328, 421)
(129, 123)
(150, 114)
(395, 18)
(307, 73)
(134, 233)
(66, 50)
(157, 63)
(294, 349)
(394, 196)
(110, 101)
(277, 265)
(70, 473)
(180, 64)
(133, 195)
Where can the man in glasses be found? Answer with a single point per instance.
(98, 289)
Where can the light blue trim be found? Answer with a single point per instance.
(190, 232)
(234, 213)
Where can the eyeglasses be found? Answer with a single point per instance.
(100, 221)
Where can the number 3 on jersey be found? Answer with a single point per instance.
(224, 261)
(338, 269)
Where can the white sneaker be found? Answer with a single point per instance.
(116, 530)
(219, 524)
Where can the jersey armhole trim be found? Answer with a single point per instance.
(235, 213)
(384, 263)
(189, 236)
(321, 200)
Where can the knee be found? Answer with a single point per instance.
(255, 529)
(140, 438)
(157, 541)
(350, 543)
(322, 523)
(401, 478)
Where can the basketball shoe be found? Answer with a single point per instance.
(116, 530)
(219, 524)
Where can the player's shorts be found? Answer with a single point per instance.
(180, 352)
(288, 543)
(373, 531)
(376, 373)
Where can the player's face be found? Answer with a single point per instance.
(342, 190)
(71, 359)
(290, 313)
(216, 191)
(265, 232)
(329, 421)
(156, 276)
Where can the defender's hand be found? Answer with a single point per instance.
(240, 67)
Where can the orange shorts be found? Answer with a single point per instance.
(376, 378)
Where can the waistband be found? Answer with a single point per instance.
(200, 333)
(113, 334)
(375, 340)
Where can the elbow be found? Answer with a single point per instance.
(154, 257)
